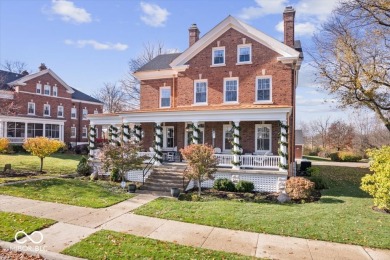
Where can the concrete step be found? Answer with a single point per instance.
(162, 179)
(157, 187)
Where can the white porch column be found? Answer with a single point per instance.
(137, 131)
(236, 147)
(25, 130)
(1, 129)
(283, 147)
(44, 130)
(125, 133)
(158, 143)
(195, 130)
(92, 140)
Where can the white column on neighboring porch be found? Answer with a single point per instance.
(236, 147)
(138, 133)
(1, 129)
(62, 132)
(92, 140)
(25, 130)
(195, 133)
(126, 133)
(158, 141)
(44, 130)
(283, 148)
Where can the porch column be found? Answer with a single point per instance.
(44, 130)
(283, 166)
(25, 130)
(236, 145)
(92, 140)
(125, 133)
(195, 133)
(137, 132)
(1, 129)
(158, 143)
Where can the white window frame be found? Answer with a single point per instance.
(270, 90)
(71, 113)
(28, 108)
(250, 53)
(55, 91)
(97, 132)
(58, 110)
(165, 135)
(96, 111)
(270, 137)
(84, 133)
(207, 91)
(224, 56)
(44, 90)
(38, 87)
(85, 114)
(170, 96)
(73, 129)
(224, 90)
(44, 108)
(226, 128)
(186, 134)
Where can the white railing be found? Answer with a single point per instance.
(224, 159)
(14, 140)
(148, 155)
(259, 161)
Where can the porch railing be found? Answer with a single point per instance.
(15, 140)
(250, 161)
(148, 155)
(224, 159)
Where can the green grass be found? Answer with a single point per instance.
(69, 191)
(114, 245)
(316, 158)
(342, 215)
(55, 164)
(14, 222)
(14, 179)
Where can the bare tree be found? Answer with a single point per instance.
(14, 66)
(319, 128)
(352, 56)
(340, 135)
(113, 98)
(8, 106)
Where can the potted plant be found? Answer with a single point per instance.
(175, 192)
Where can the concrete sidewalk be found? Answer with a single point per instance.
(76, 223)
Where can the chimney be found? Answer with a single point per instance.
(24, 73)
(194, 34)
(288, 19)
(42, 67)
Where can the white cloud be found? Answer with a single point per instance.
(264, 7)
(69, 12)
(97, 45)
(317, 9)
(301, 29)
(154, 15)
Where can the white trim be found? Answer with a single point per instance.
(226, 128)
(31, 120)
(238, 54)
(224, 90)
(220, 48)
(71, 113)
(84, 116)
(165, 136)
(170, 96)
(86, 132)
(257, 101)
(71, 132)
(55, 91)
(58, 110)
(28, 108)
(87, 102)
(38, 87)
(207, 92)
(46, 87)
(158, 74)
(49, 109)
(270, 137)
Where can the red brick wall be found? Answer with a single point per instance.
(298, 151)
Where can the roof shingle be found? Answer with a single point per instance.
(160, 62)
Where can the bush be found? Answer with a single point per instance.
(319, 182)
(224, 184)
(83, 168)
(245, 186)
(378, 184)
(299, 188)
(81, 149)
(334, 157)
(4, 143)
(114, 175)
(17, 149)
(345, 157)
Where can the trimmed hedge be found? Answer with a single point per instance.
(224, 184)
(345, 157)
(245, 186)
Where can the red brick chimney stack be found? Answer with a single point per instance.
(194, 34)
(288, 18)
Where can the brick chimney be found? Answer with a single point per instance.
(194, 33)
(288, 19)
(42, 67)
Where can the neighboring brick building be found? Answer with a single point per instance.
(234, 75)
(47, 106)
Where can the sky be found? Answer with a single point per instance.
(89, 42)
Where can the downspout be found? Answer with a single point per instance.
(173, 92)
(79, 125)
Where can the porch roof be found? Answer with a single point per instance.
(25, 119)
(195, 114)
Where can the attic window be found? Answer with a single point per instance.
(218, 58)
(244, 53)
(39, 88)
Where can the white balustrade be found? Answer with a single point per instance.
(260, 161)
(224, 159)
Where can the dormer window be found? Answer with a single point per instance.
(39, 88)
(244, 53)
(218, 56)
(55, 91)
(46, 90)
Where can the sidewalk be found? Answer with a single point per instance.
(76, 223)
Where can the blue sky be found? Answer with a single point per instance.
(89, 42)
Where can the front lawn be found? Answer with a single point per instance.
(114, 245)
(69, 191)
(343, 214)
(14, 222)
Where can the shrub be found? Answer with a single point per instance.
(245, 186)
(345, 157)
(299, 188)
(378, 184)
(319, 182)
(224, 184)
(83, 167)
(334, 157)
(4, 142)
(114, 175)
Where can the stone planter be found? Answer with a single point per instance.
(132, 188)
(175, 192)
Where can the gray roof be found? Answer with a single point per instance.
(82, 96)
(160, 62)
(7, 77)
(299, 137)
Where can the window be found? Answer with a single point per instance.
(15, 129)
(73, 113)
(46, 90)
(218, 56)
(55, 91)
(39, 88)
(244, 53)
(34, 130)
(228, 137)
(31, 108)
(46, 110)
(97, 132)
(85, 132)
(263, 88)
(263, 138)
(200, 92)
(168, 137)
(85, 113)
(230, 90)
(73, 132)
(165, 97)
(96, 111)
(60, 111)
(52, 131)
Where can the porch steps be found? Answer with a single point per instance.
(165, 177)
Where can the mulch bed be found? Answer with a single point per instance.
(385, 211)
(6, 254)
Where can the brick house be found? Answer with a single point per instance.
(233, 88)
(47, 106)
